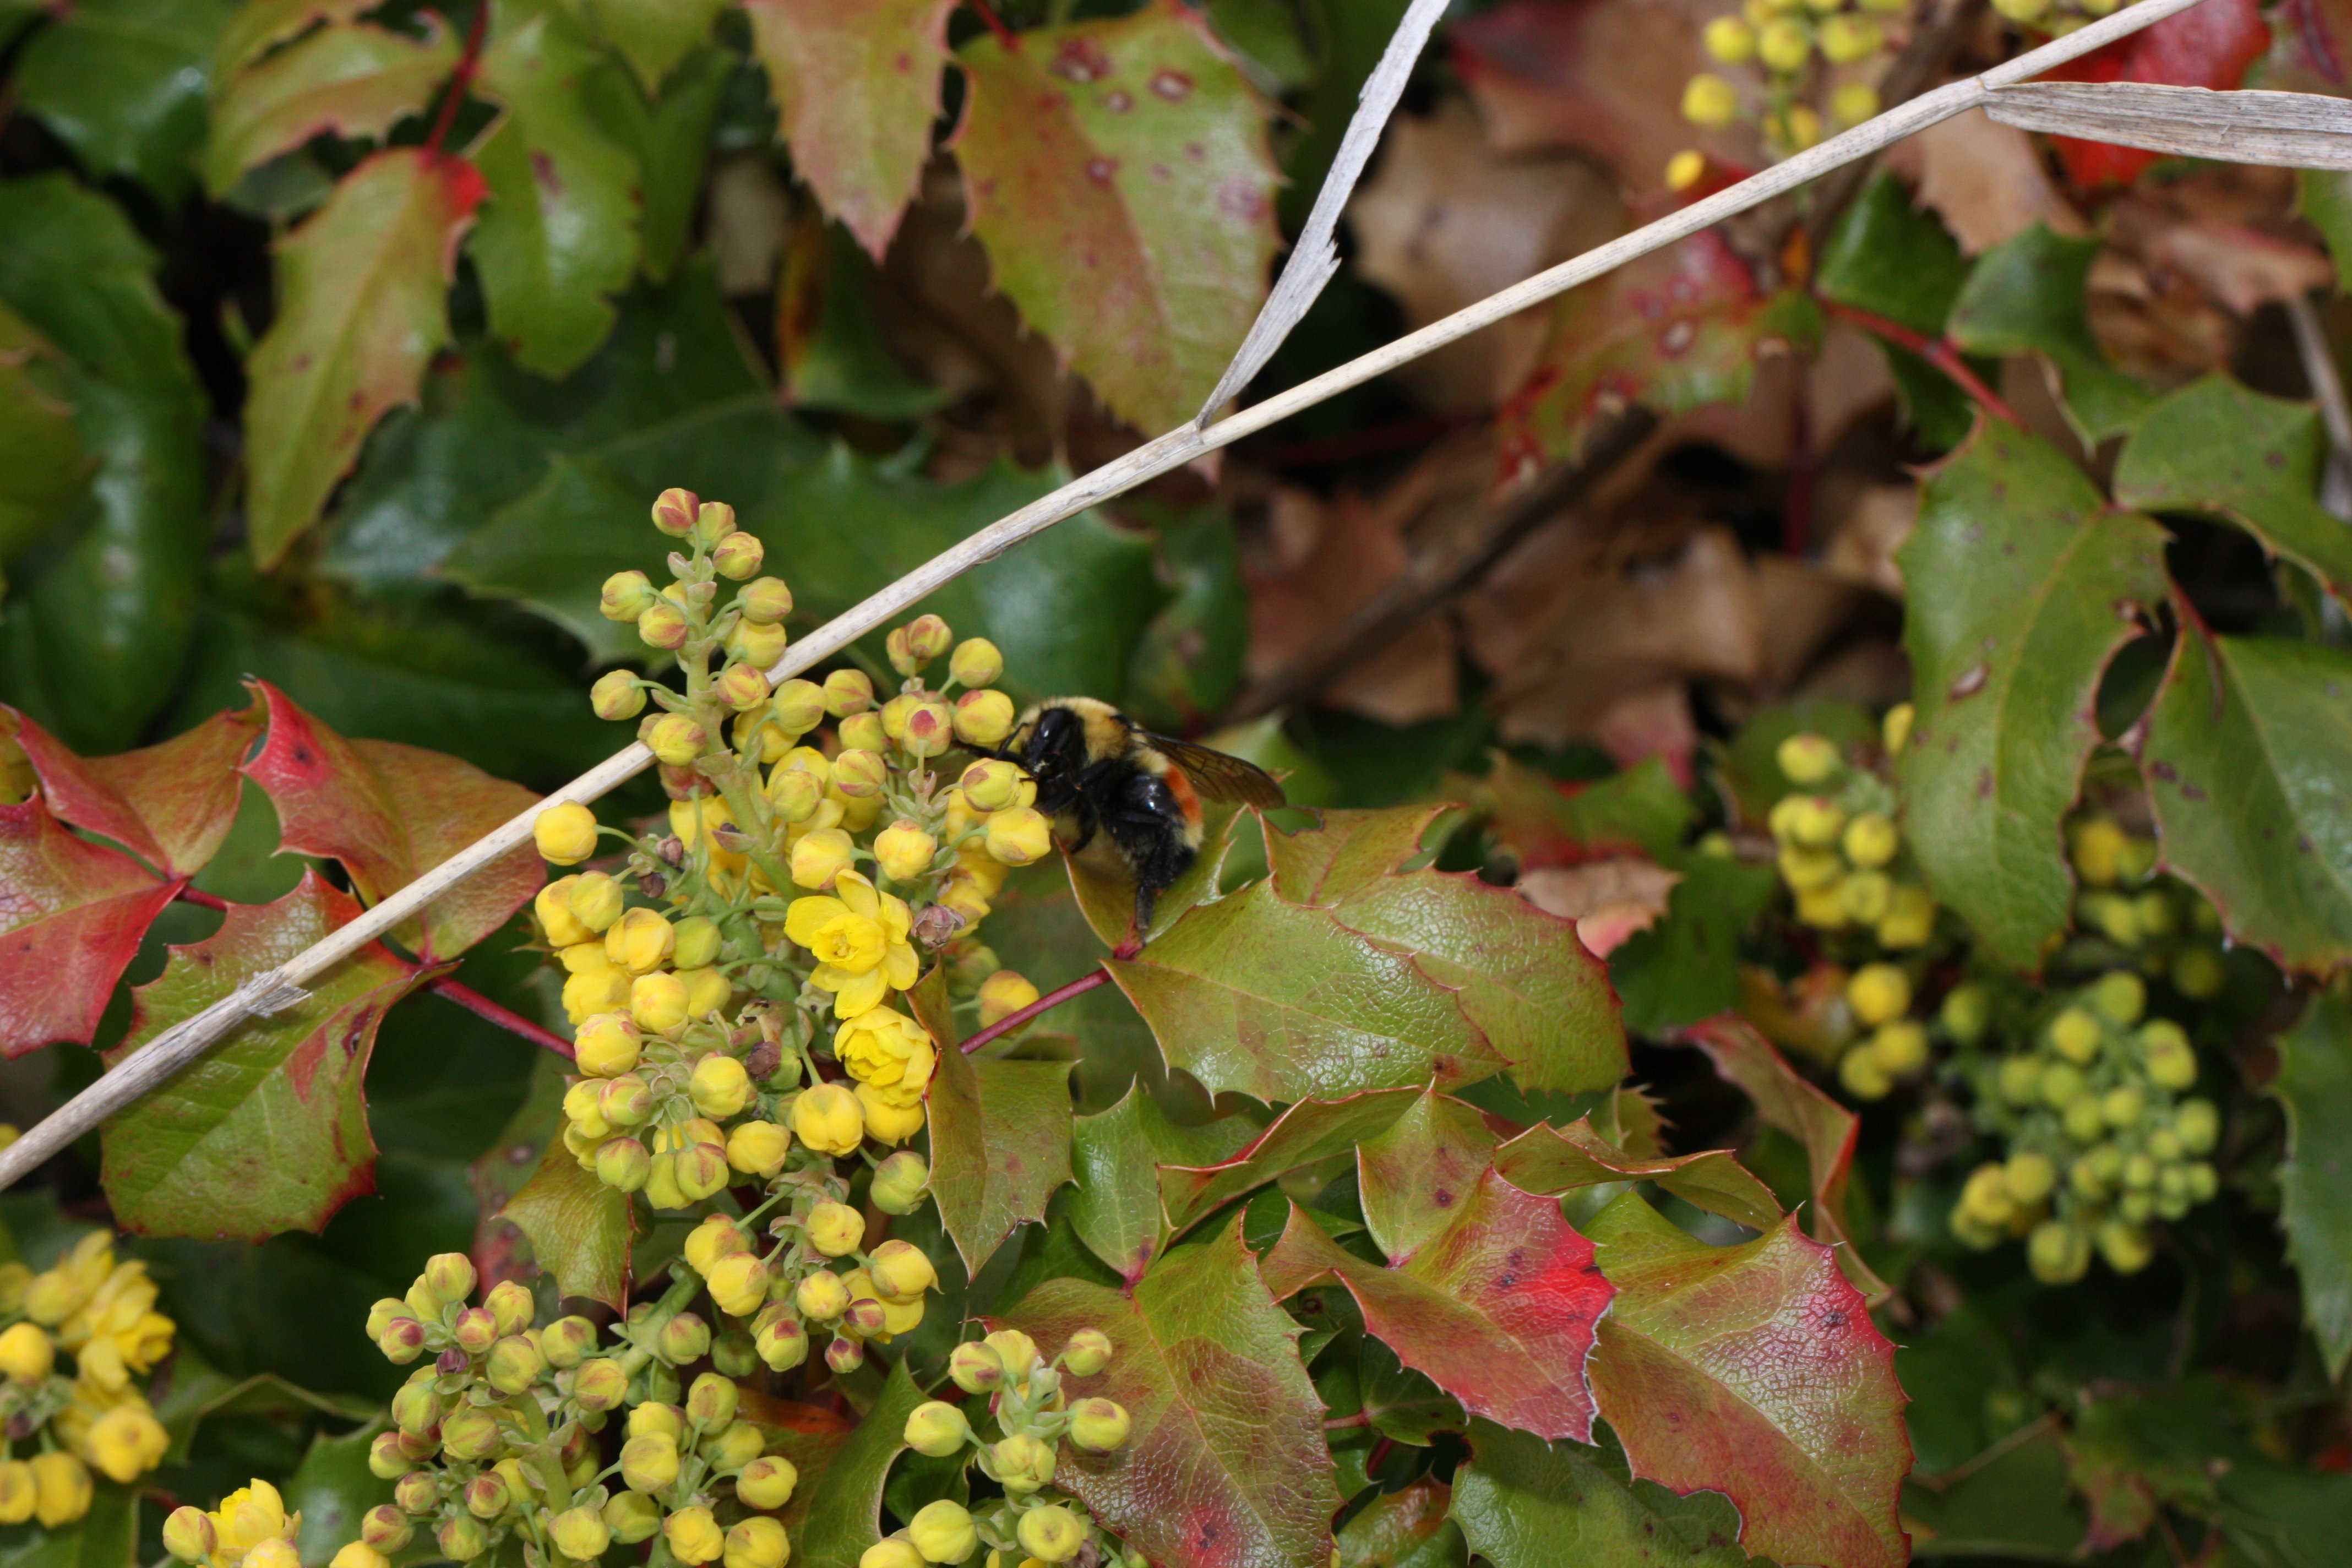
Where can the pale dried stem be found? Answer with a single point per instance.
(159, 1059)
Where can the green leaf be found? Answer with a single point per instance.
(259, 26)
(578, 1227)
(671, 137)
(2012, 1502)
(1306, 1133)
(1037, 930)
(2313, 1085)
(1522, 1502)
(2324, 198)
(268, 1131)
(1546, 1159)
(830, 338)
(1754, 1371)
(1892, 258)
(653, 36)
(97, 641)
(1000, 1134)
(1685, 967)
(835, 1513)
(1543, 822)
(361, 292)
(1524, 980)
(123, 83)
(333, 1489)
(1115, 1159)
(2036, 585)
(857, 89)
(2248, 756)
(1144, 266)
(44, 472)
(2026, 296)
(2215, 447)
(1255, 994)
(560, 234)
(1189, 662)
(1225, 1462)
(1407, 1529)
(356, 80)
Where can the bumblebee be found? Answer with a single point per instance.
(1099, 771)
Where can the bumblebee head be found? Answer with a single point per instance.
(1053, 742)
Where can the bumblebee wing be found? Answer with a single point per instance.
(1219, 776)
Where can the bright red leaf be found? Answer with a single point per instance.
(170, 804)
(389, 812)
(72, 914)
(2209, 45)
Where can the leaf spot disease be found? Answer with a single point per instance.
(1100, 170)
(1118, 101)
(1171, 84)
(1080, 59)
(1970, 681)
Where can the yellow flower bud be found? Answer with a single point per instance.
(1847, 39)
(1019, 834)
(617, 696)
(891, 1553)
(739, 1284)
(2118, 996)
(864, 733)
(798, 706)
(552, 906)
(1878, 992)
(1098, 1426)
(658, 1001)
(930, 727)
(782, 1344)
(1864, 1079)
(794, 793)
(758, 1148)
(766, 1483)
(1852, 103)
(450, 1277)
(275, 1553)
(756, 645)
(1686, 169)
(694, 1535)
(989, 786)
(489, 1495)
(1910, 920)
(2124, 1245)
(936, 1429)
(607, 1045)
(1022, 1464)
(1003, 993)
(27, 1352)
(886, 1123)
(716, 1238)
(821, 1296)
(1709, 101)
(900, 1183)
(757, 1542)
(737, 555)
(1087, 1352)
(720, 1086)
(18, 1491)
(1052, 1533)
(61, 1489)
(593, 900)
(600, 1384)
(649, 1463)
(2021, 10)
(836, 1228)
(1802, 127)
(848, 691)
(565, 1341)
(975, 663)
(2057, 1252)
(2077, 1036)
(565, 833)
(461, 1538)
(984, 717)
(514, 1366)
(827, 1118)
(1871, 840)
(901, 1271)
(943, 1531)
(904, 850)
(1730, 40)
(674, 512)
(675, 739)
(188, 1532)
(820, 855)
(701, 1170)
(663, 625)
(581, 1534)
(1866, 896)
(127, 1441)
(858, 774)
(1783, 44)
(626, 596)
(1901, 1047)
(742, 687)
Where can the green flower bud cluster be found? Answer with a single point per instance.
(2125, 912)
(1891, 1043)
(2102, 1133)
(2054, 18)
(504, 1436)
(1793, 55)
(1840, 851)
(1029, 1413)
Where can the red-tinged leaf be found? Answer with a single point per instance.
(1639, 812)
(1553, 1160)
(834, 1514)
(390, 812)
(1255, 993)
(268, 1130)
(999, 1133)
(362, 290)
(578, 1227)
(857, 89)
(1406, 1529)
(358, 82)
(1226, 1465)
(1410, 1178)
(1787, 1099)
(1678, 329)
(1526, 982)
(170, 804)
(2209, 45)
(1754, 1371)
(1310, 1130)
(72, 914)
(1118, 174)
(1496, 1309)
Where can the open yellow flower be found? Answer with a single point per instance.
(118, 1331)
(250, 1516)
(888, 1053)
(55, 1294)
(859, 939)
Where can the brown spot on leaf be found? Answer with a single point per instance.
(1080, 59)
(1171, 84)
(1969, 681)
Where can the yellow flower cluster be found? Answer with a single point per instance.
(2055, 19)
(2101, 1134)
(100, 1312)
(1840, 851)
(1795, 53)
(2164, 931)
(1030, 1414)
(250, 1529)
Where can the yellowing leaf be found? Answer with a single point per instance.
(358, 80)
(1117, 173)
(857, 89)
(361, 286)
(579, 1228)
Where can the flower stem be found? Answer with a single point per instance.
(1936, 351)
(1078, 987)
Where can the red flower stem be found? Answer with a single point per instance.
(1937, 352)
(448, 988)
(201, 898)
(1004, 36)
(459, 81)
(1078, 987)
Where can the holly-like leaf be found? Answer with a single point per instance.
(1117, 174)
(1103, 884)
(2208, 46)
(356, 80)
(390, 812)
(123, 83)
(1255, 993)
(1525, 1504)
(835, 1514)
(999, 1133)
(671, 137)
(1496, 1307)
(1307, 1132)
(43, 468)
(2216, 446)
(1543, 822)
(1553, 1160)
(2314, 1087)
(578, 1227)
(2035, 586)
(1225, 1463)
(857, 89)
(1754, 1371)
(1892, 258)
(560, 234)
(1116, 1158)
(259, 26)
(360, 309)
(1685, 966)
(1785, 1100)
(1404, 1528)
(172, 804)
(653, 36)
(1673, 331)
(71, 917)
(2246, 753)
(333, 1489)
(1410, 1176)
(2026, 296)
(268, 1130)
(1524, 979)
